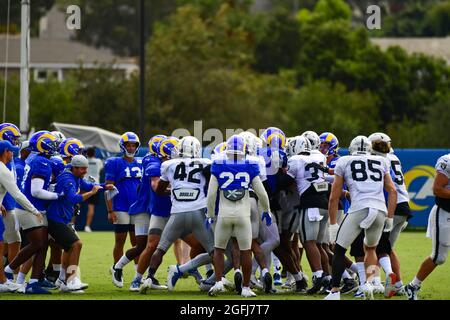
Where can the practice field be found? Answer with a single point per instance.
(96, 259)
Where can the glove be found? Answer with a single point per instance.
(388, 225)
(76, 210)
(266, 216)
(209, 222)
(333, 229)
(91, 179)
(61, 194)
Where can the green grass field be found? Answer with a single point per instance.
(96, 259)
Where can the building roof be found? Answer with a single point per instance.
(436, 47)
(60, 52)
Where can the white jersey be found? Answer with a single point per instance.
(364, 176)
(262, 166)
(302, 168)
(443, 166)
(399, 181)
(187, 183)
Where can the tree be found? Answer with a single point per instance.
(437, 20)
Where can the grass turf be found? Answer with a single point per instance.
(96, 259)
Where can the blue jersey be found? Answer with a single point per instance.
(159, 205)
(39, 167)
(2, 227)
(126, 177)
(20, 169)
(61, 210)
(142, 203)
(8, 201)
(274, 159)
(234, 175)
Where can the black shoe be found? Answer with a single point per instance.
(267, 280)
(238, 282)
(118, 277)
(317, 285)
(209, 273)
(301, 286)
(326, 286)
(349, 286)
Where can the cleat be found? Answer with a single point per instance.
(400, 291)
(87, 229)
(173, 274)
(10, 286)
(378, 289)
(359, 294)
(145, 286)
(52, 276)
(390, 289)
(117, 277)
(349, 286)
(412, 292)
(228, 284)
(277, 279)
(156, 285)
(367, 289)
(238, 282)
(248, 293)
(216, 288)
(47, 284)
(209, 273)
(301, 286)
(267, 281)
(255, 283)
(135, 284)
(35, 288)
(333, 296)
(317, 285)
(326, 289)
(76, 285)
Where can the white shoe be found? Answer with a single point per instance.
(227, 284)
(145, 286)
(87, 229)
(216, 288)
(62, 286)
(333, 296)
(172, 277)
(247, 293)
(9, 286)
(117, 277)
(22, 288)
(367, 289)
(76, 285)
(378, 289)
(255, 283)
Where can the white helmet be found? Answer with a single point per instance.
(288, 148)
(380, 137)
(313, 138)
(300, 144)
(189, 147)
(360, 145)
(250, 141)
(59, 136)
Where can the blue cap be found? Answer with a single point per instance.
(6, 145)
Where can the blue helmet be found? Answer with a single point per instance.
(153, 143)
(167, 148)
(58, 165)
(129, 137)
(274, 138)
(11, 133)
(329, 144)
(71, 147)
(44, 142)
(236, 145)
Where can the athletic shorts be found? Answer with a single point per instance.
(28, 220)
(141, 222)
(255, 217)
(350, 228)
(12, 228)
(93, 200)
(399, 222)
(383, 247)
(157, 225)
(63, 234)
(238, 227)
(311, 229)
(182, 224)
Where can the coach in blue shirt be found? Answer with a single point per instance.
(69, 184)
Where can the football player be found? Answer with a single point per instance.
(438, 227)
(125, 173)
(231, 178)
(187, 175)
(35, 185)
(366, 176)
